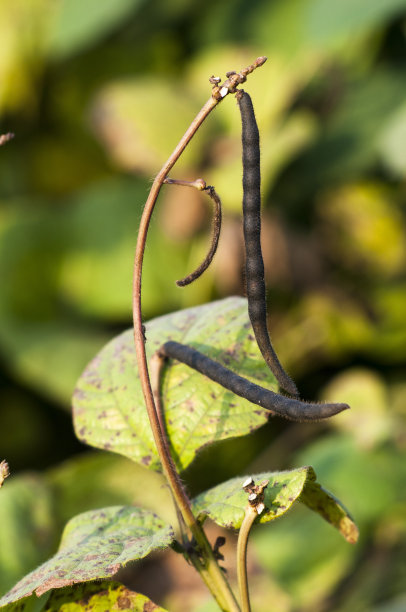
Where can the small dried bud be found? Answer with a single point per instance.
(5, 138)
(248, 482)
(4, 471)
(200, 184)
(260, 60)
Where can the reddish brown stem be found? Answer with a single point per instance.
(209, 569)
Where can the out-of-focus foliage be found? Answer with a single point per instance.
(34, 508)
(98, 94)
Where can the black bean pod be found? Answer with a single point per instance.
(280, 405)
(254, 264)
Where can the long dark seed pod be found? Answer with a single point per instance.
(286, 407)
(254, 264)
(214, 240)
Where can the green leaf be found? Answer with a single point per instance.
(337, 455)
(79, 25)
(362, 226)
(296, 27)
(33, 347)
(108, 403)
(330, 21)
(350, 141)
(96, 269)
(324, 503)
(28, 529)
(141, 120)
(369, 422)
(391, 143)
(99, 596)
(27, 604)
(94, 546)
(226, 503)
(34, 332)
(92, 596)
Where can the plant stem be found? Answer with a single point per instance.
(205, 563)
(210, 570)
(208, 567)
(249, 518)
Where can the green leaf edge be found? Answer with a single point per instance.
(49, 584)
(187, 320)
(86, 595)
(309, 492)
(318, 499)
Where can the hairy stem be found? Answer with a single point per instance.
(214, 577)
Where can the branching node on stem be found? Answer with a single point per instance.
(4, 471)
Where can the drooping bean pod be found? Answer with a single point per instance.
(286, 407)
(254, 264)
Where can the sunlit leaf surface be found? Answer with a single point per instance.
(99, 596)
(75, 29)
(95, 545)
(226, 503)
(108, 404)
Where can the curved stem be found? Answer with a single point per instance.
(249, 518)
(210, 570)
(137, 313)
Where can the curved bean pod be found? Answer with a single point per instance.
(286, 407)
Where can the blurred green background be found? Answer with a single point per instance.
(98, 94)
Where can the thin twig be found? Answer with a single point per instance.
(216, 224)
(200, 184)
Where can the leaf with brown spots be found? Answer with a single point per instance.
(108, 403)
(88, 596)
(225, 504)
(94, 546)
(324, 503)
